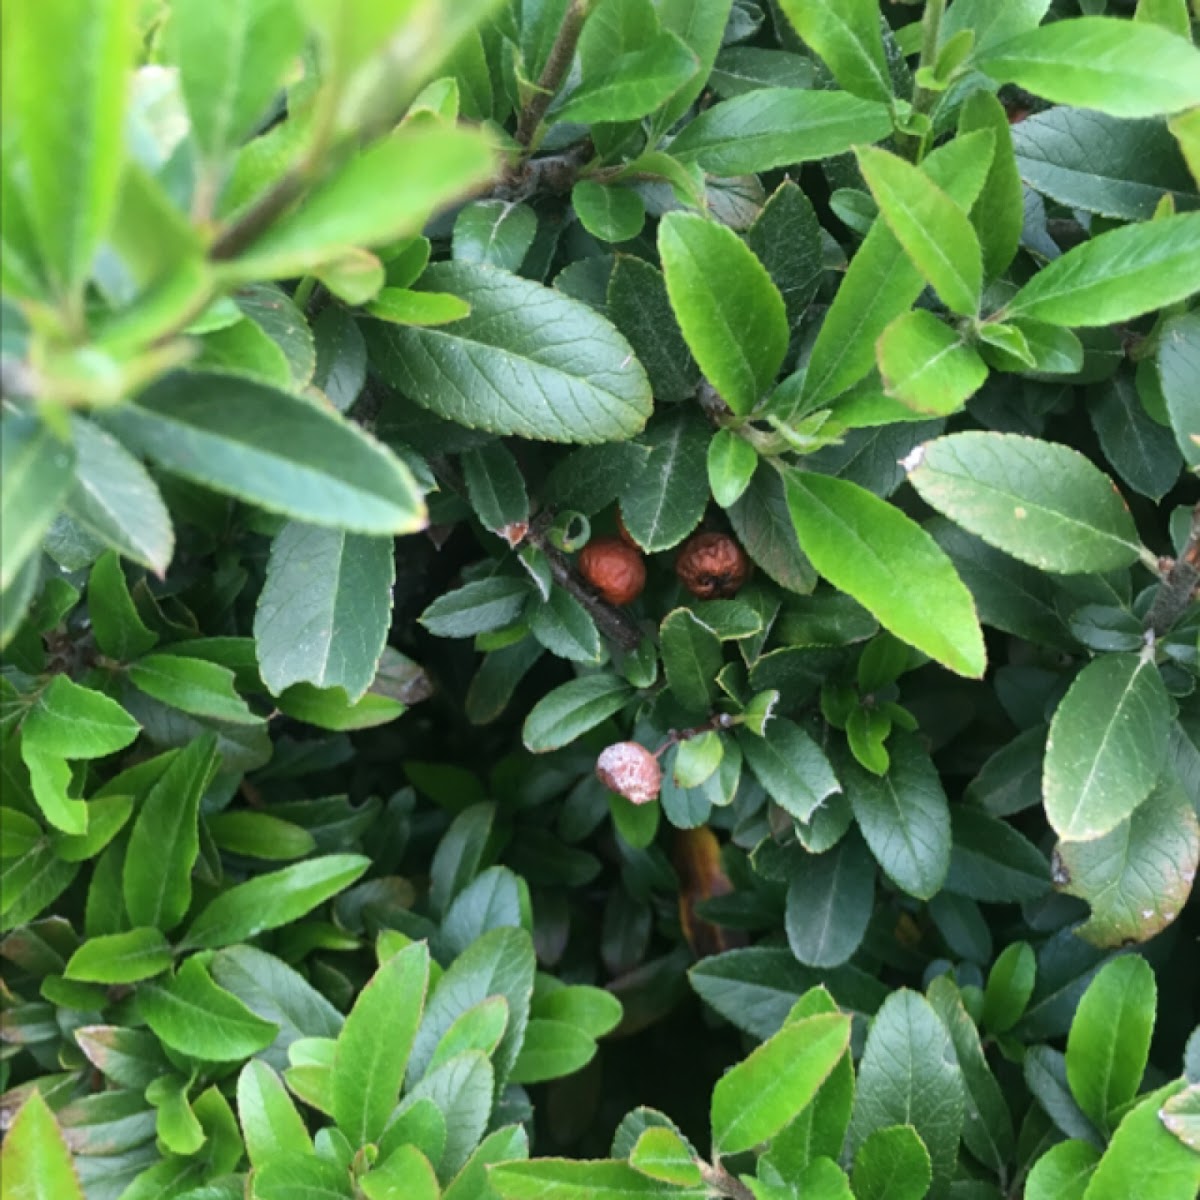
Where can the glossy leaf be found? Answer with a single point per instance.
(731, 314)
(1116, 275)
(36, 1161)
(1039, 501)
(890, 565)
(274, 450)
(847, 37)
(325, 609)
(926, 366)
(569, 376)
(368, 1070)
(37, 472)
(791, 767)
(778, 127)
(1092, 62)
(1106, 747)
(934, 230)
(120, 957)
(762, 1093)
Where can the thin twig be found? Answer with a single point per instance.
(553, 73)
(724, 1184)
(1178, 588)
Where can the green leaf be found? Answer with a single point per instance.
(904, 817)
(881, 283)
(845, 33)
(1178, 362)
(829, 902)
(1181, 1116)
(120, 957)
(1116, 168)
(908, 1076)
(925, 365)
(499, 963)
(550, 1050)
(405, 1172)
(37, 1163)
(274, 450)
(988, 1129)
(568, 375)
(35, 478)
(786, 238)
(890, 565)
(330, 708)
(662, 1154)
(165, 839)
(1107, 745)
(496, 489)
(934, 230)
(272, 1127)
(633, 86)
(691, 659)
(754, 1100)
(992, 23)
(1117, 275)
(992, 861)
(379, 197)
(325, 609)
(476, 607)
(613, 214)
(50, 779)
(1094, 62)
(1062, 1173)
(566, 628)
(1109, 1041)
(1138, 877)
(192, 685)
(997, 213)
(892, 1164)
(341, 366)
(763, 525)
(496, 233)
(232, 57)
(1143, 1158)
(639, 307)
(116, 501)
(700, 24)
(1009, 986)
(732, 315)
(269, 901)
(368, 1069)
(1140, 450)
(664, 502)
(479, 1028)
(1041, 502)
(778, 127)
(791, 767)
(120, 631)
(581, 1179)
(403, 306)
(81, 52)
(592, 1009)
(191, 1014)
(76, 722)
(300, 1178)
(572, 709)
(732, 462)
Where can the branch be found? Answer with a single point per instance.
(719, 1179)
(1178, 588)
(553, 73)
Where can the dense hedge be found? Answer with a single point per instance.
(599, 599)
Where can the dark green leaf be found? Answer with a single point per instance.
(274, 450)
(569, 376)
(666, 500)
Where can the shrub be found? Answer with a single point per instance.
(792, 408)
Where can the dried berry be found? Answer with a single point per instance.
(712, 566)
(615, 570)
(629, 770)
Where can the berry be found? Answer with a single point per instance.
(615, 570)
(712, 566)
(629, 770)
